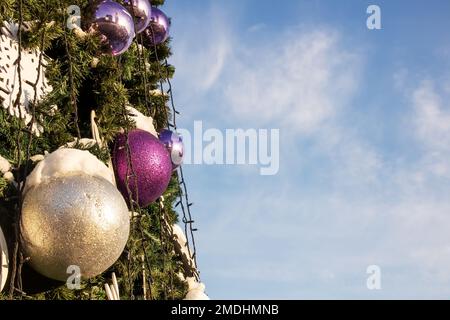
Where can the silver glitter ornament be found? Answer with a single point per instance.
(4, 260)
(76, 220)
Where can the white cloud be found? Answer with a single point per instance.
(373, 210)
(352, 160)
(432, 117)
(203, 53)
(421, 212)
(299, 81)
(359, 207)
(287, 232)
(400, 78)
(431, 128)
(257, 27)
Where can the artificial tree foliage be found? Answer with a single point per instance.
(83, 79)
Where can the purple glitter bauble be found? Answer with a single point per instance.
(114, 24)
(141, 10)
(158, 30)
(173, 143)
(151, 168)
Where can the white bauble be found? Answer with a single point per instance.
(75, 220)
(73, 214)
(4, 260)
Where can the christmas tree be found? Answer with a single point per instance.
(77, 87)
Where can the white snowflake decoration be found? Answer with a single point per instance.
(9, 78)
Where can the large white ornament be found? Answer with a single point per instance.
(75, 220)
(4, 260)
(9, 77)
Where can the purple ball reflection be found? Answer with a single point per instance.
(158, 30)
(141, 10)
(115, 25)
(173, 143)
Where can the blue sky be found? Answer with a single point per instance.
(364, 120)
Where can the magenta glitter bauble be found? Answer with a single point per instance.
(150, 163)
(173, 143)
(114, 24)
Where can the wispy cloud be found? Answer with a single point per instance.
(432, 117)
(341, 202)
(432, 122)
(257, 27)
(299, 80)
(203, 53)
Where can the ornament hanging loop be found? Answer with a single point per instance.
(95, 132)
(100, 142)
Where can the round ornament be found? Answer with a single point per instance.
(174, 144)
(144, 168)
(74, 222)
(141, 10)
(158, 30)
(114, 24)
(4, 260)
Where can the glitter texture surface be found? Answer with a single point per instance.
(150, 162)
(76, 220)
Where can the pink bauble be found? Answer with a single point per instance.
(148, 167)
